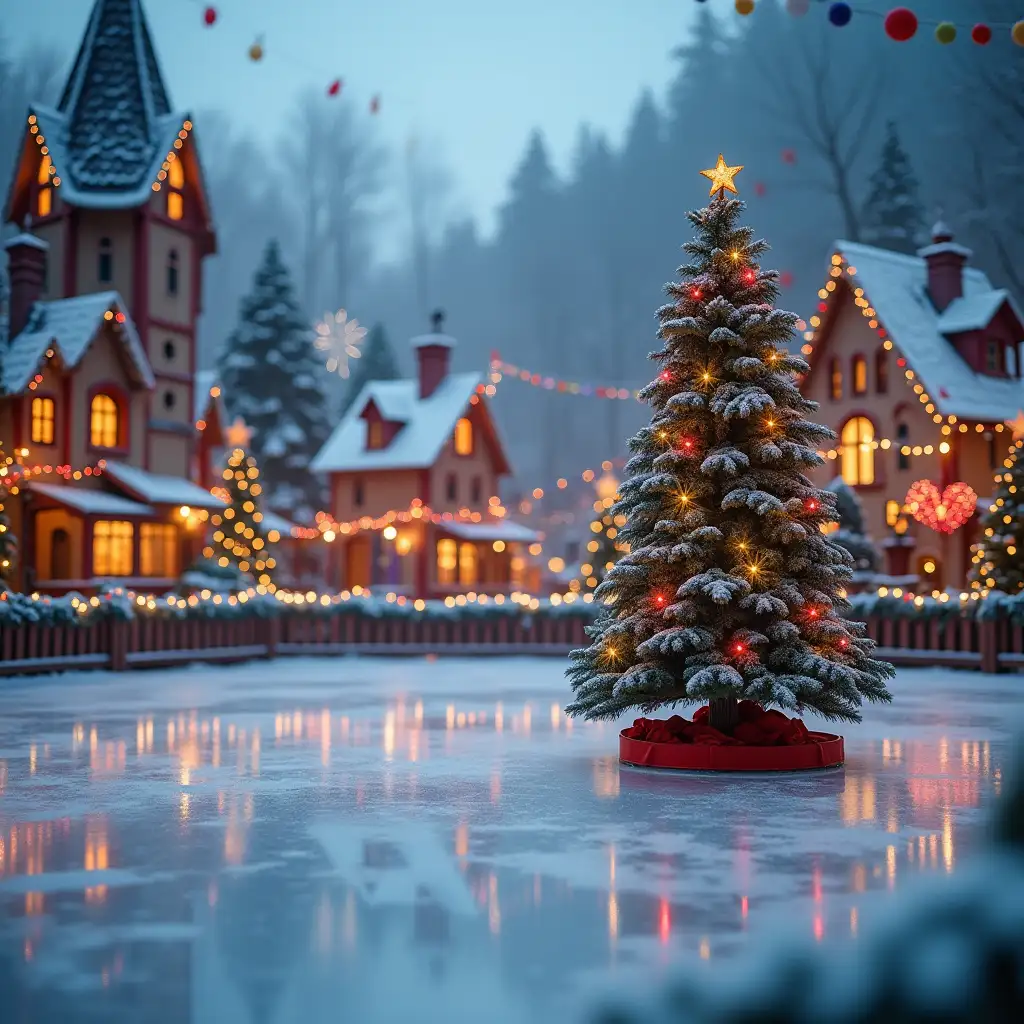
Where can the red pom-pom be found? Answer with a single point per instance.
(981, 34)
(334, 88)
(209, 16)
(901, 24)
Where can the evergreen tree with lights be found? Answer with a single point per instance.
(851, 533)
(998, 561)
(603, 550)
(377, 362)
(730, 589)
(238, 536)
(271, 378)
(8, 542)
(893, 217)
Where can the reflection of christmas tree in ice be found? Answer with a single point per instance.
(339, 339)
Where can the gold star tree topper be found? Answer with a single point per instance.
(238, 434)
(721, 176)
(1017, 426)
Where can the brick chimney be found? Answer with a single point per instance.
(433, 355)
(945, 260)
(26, 268)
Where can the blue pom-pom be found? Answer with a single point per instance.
(840, 14)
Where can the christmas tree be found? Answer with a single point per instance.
(377, 362)
(730, 589)
(851, 534)
(893, 218)
(8, 542)
(238, 536)
(605, 547)
(998, 561)
(271, 377)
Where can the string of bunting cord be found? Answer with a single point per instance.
(900, 23)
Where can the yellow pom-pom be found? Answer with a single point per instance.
(256, 52)
(744, 7)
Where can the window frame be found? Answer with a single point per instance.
(469, 564)
(158, 550)
(374, 435)
(44, 187)
(110, 545)
(859, 375)
(446, 560)
(43, 402)
(120, 424)
(858, 469)
(175, 206)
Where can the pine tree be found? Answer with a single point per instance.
(377, 362)
(998, 561)
(271, 378)
(851, 534)
(893, 217)
(238, 536)
(603, 550)
(730, 589)
(8, 542)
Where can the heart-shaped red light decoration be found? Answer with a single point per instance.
(944, 511)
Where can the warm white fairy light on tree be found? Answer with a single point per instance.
(730, 589)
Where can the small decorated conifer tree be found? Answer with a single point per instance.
(999, 558)
(730, 589)
(238, 535)
(851, 533)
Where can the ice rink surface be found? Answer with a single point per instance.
(393, 840)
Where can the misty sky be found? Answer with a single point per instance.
(472, 76)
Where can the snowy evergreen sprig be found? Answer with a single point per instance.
(730, 588)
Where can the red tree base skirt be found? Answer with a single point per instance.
(763, 741)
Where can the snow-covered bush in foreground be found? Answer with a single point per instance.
(951, 952)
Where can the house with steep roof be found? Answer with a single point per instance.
(916, 362)
(97, 392)
(407, 446)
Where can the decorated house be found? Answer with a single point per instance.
(413, 469)
(97, 399)
(916, 362)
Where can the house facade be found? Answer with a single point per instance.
(916, 364)
(424, 455)
(97, 395)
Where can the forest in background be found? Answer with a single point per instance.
(569, 282)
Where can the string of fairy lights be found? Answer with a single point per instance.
(980, 556)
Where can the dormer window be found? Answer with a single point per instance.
(44, 201)
(860, 375)
(992, 357)
(375, 435)
(464, 437)
(105, 262)
(176, 185)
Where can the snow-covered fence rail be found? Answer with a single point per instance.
(119, 634)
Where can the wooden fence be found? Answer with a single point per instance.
(990, 646)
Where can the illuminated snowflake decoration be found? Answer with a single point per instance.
(339, 339)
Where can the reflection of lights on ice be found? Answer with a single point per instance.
(664, 921)
(339, 338)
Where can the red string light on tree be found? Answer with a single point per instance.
(943, 511)
(901, 24)
(209, 16)
(334, 89)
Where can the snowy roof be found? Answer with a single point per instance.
(441, 340)
(27, 239)
(428, 422)
(91, 502)
(497, 529)
(112, 118)
(896, 286)
(971, 313)
(158, 489)
(69, 326)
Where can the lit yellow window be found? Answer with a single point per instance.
(43, 177)
(158, 549)
(467, 563)
(892, 512)
(375, 435)
(112, 548)
(103, 422)
(45, 202)
(463, 437)
(447, 561)
(42, 420)
(857, 439)
(176, 175)
(175, 182)
(175, 206)
(860, 375)
(837, 380)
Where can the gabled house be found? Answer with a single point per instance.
(96, 390)
(916, 362)
(428, 442)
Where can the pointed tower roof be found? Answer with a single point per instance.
(115, 102)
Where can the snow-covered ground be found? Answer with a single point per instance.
(432, 840)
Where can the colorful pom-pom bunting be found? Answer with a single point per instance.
(901, 24)
(945, 32)
(981, 34)
(840, 14)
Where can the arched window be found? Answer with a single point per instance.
(172, 272)
(42, 420)
(104, 422)
(447, 561)
(902, 435)
(837, 380)
(105, 262)
(44, 201)
(882, 371)
(467, 563)
(176, 184)
(860, 375)
(463, 437)
(857, 438)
